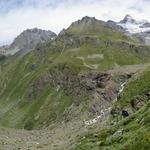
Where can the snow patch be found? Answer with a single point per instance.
(134, 28)
(58, 88)
(95, 120)
(122, 87)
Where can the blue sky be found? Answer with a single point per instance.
(18, 15)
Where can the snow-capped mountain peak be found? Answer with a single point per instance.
(127, 19)
(134, 25)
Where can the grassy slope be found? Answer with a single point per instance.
(130, 133)
(138, 86)
(17, 78)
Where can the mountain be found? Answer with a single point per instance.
(139, 29)
(128, 19)
(115, 26)
(27, 40)
(88, 88)
(134, 26)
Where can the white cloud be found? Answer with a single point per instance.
(51, 16)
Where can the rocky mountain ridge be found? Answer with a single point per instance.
(27, 40)
(134, 27)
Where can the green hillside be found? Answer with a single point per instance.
(40, 88)
(130, 133)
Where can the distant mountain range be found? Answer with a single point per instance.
(28, 39)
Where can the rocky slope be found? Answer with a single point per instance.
(71, 86)
(134, 27)
(125, 130)
(27, 40)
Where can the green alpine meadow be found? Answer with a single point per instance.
(84, 88)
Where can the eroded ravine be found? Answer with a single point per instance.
(65, 134)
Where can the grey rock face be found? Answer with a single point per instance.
(145, 25)
(127, 19)
(133, 28)
(27, 40)
(84, 20)
(115, 26)
(30, 37)
(143, 37)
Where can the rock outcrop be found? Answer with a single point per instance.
(27, 40)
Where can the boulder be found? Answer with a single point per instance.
(102, 80)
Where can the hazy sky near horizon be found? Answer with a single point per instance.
(18, 15)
